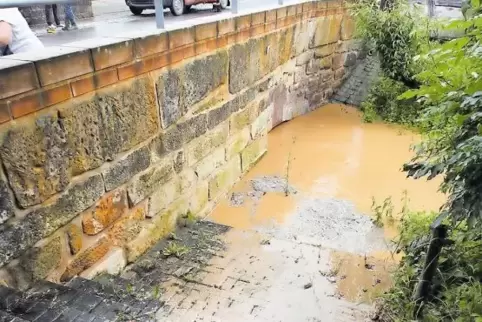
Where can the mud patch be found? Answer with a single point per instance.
(362, 278)
(331, 223)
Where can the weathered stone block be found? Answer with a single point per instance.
(200, 198)
(128, 227)
(36, 158)
(261, 124)
(129, 115)
(121, 171)
(325, 50)
(74, 238)
(107, 210)
(146, 183)
(304, 58)
(169, 93)
(237, 143)
(218, 115)
(242, 119)
(200, 147)
(338, 61)
(83, 126)
(327, 31)
(6, 202)
(253, 152)
(180, 89)
(158, 228)
(339, 73)
(193, 128)
(179, 161)
(40, 223)
(112, 263)
(212, 70)
(224, 178)
(209, 164)
(187, 179)
(163, 196)
(238, 67)
(87, 258)
(42, 260)
(347, 27)
(350, 60)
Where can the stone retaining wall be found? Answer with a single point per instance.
(108, 144)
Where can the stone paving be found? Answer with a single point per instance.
(355, 89)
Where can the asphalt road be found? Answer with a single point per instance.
(113, 18)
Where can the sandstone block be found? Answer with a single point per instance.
(238, 67)
(325, 50)
(338, 61)
(129, 115)
(158, 228)
(73, 201)
(224, 178)
(124, 169)
(327, 31)
(350, 60)
(253, 152)
(200, 198)
(146, 183)
(179, 161)
(128, 227)
(339, 73)
(86, 258)
(200, 147)
(304, 58)
(6, 202)
(84, 131)
(42, 260)
(237, 143)
(187, 179)
(74, 238)
(106, 211)
(218, 115)
(261, 123)
(193, 128)
(36, 158)
(112, 263)
(163, 196)
(244, 118)
(209, 164)
(169, 93)
(347, 27)
(212, 70)
(179, 89)
(17, 77)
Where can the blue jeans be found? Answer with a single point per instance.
(69, 15)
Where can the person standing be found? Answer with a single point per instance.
(70, 23)
(15, 34)
(51, 28)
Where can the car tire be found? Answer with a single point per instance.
(178, 7)
(223, 4)
(188, 8)
(136, 11)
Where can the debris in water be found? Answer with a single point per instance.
(272, 184)
(331, 279)
(369, 266)
(265, 242)
(308, 285)
(237, 199)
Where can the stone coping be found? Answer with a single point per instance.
(32, 81)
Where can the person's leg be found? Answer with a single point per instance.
(48, 17)
(56, 15)
(69, 18)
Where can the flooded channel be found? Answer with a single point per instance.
(317, 184)
(304, 246)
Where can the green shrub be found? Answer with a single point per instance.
(382, 103)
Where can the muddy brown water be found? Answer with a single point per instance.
(331, 154)
(303, 245)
